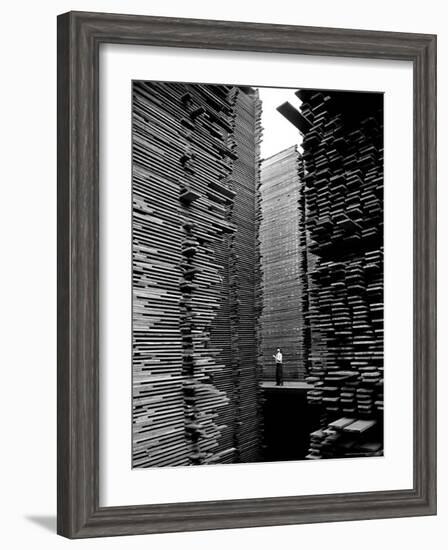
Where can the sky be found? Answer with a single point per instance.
(278, 133)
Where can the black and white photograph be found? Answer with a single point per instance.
(222, 283)
(257, 274)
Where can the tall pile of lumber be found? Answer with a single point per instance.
(234, 329)
(192, 194)
(282, 264)
(245, 179)
(343, 175)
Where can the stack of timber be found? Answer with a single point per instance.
(343, 174)
(244, 273)
(185, 276)
(283, 253)
(347, 438)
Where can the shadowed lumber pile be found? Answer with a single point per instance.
(343, 174)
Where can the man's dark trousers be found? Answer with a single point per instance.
(279, 374)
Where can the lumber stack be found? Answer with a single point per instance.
(186, 266)
(343, 159)
(343, 174)
(347, 438)
(244, 276)
(283, 256)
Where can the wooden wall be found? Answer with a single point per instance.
(282, 264)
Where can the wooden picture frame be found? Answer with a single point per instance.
(79, 38)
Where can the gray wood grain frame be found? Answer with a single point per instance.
(79, 38)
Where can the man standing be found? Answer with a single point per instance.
(278, 367)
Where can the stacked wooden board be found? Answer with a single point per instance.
(245, 178)
(347, 438)
(189, 269)
(282, 264)
(343, 175)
